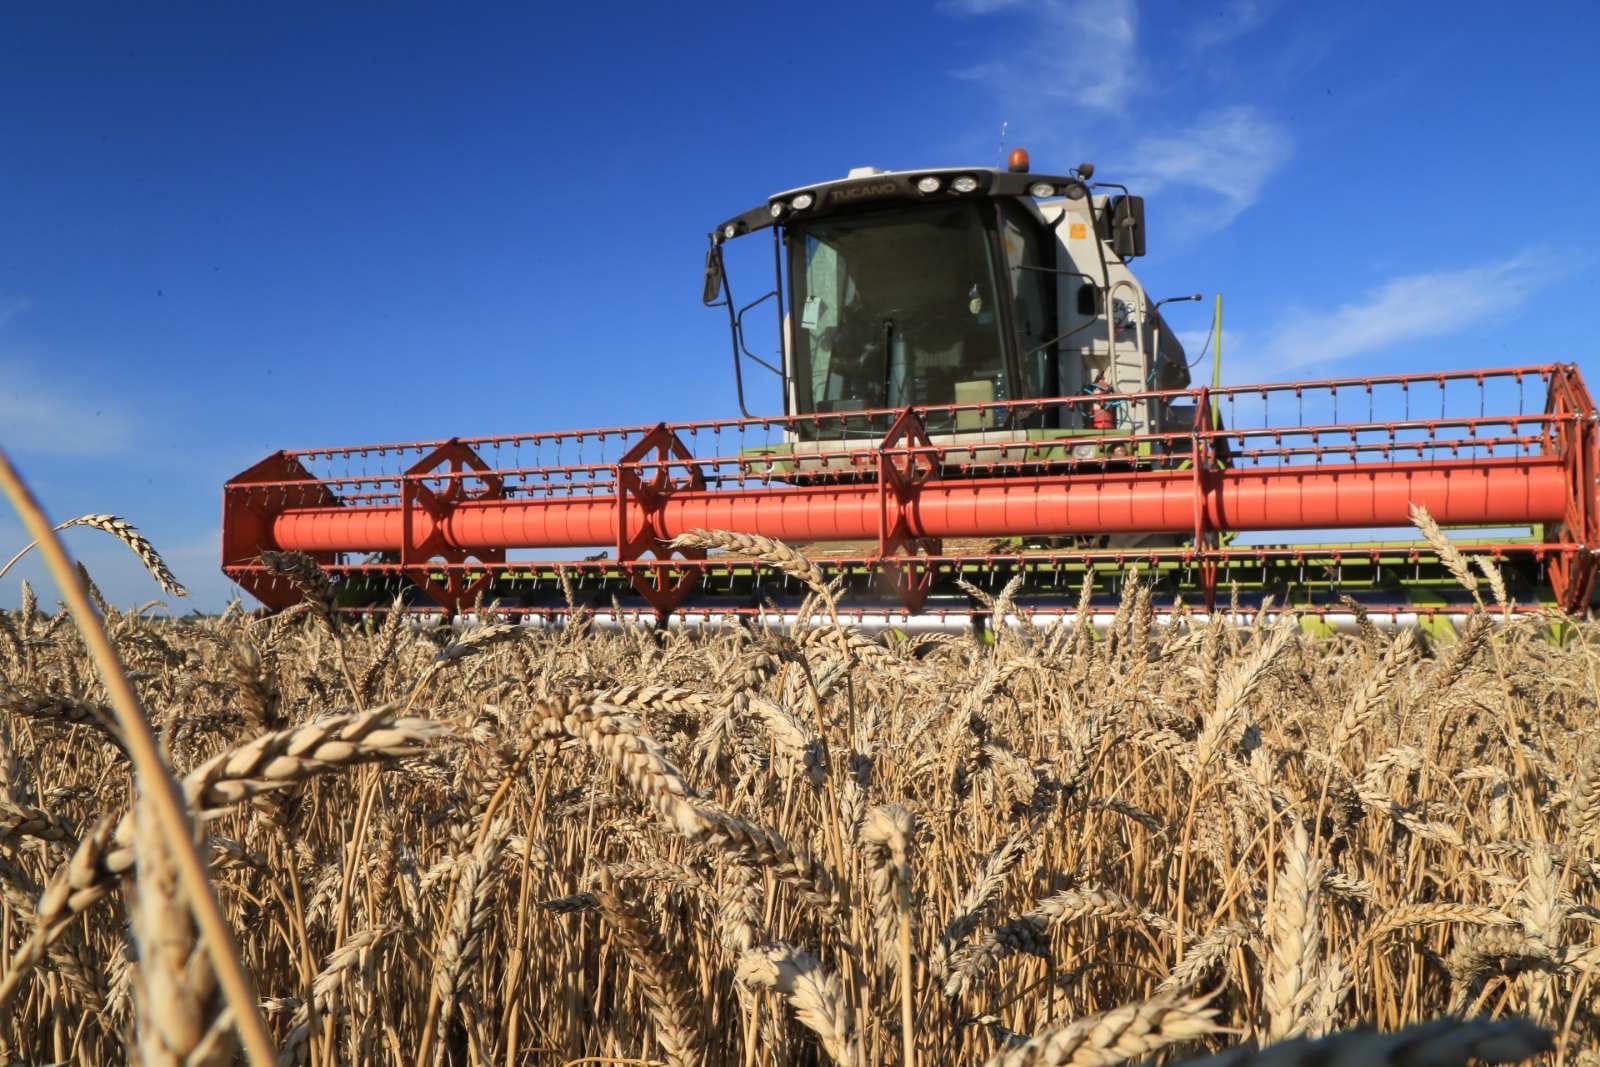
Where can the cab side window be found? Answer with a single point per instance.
(1032, 284)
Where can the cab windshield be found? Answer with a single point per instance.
(895, 308)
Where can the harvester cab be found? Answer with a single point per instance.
(958, 289)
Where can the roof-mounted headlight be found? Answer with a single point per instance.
(929, 184)
(965, 183)
(1075, 191)
(803, 201)
(1041, 189)
(775, 209)
(730, 231)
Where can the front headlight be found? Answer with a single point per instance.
(1087, 450)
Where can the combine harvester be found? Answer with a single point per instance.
(975, 387)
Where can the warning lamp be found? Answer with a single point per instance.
(1018, 161)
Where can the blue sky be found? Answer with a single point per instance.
(227, 232)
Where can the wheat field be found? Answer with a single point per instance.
(505, 845)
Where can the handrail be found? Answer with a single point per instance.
(1544, 372)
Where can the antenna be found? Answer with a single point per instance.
(1000, 156)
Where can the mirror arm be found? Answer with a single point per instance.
(733, 336)
(736, 323)
(768, 295)
(778, 233)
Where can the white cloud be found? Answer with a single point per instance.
(1231, 21)
(1197, 344)
(1086, 54)
(1083, 51)
(46, 418)
(1226, 156)
(980, 7)
(1408, 308)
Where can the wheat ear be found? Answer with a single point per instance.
(352, 954)
(1449, 554)
(658, 782)
(306, 575)
(471, 911)
(996, 868)
(1115, 1036)
(1234, 693)
(128, 534)
(273, 761)
(1443, 911)
(886, 837)
(668, 999)
(387, 641)
(814, 994)
(768, 550)
(1294, 926)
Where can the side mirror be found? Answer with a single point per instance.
(712, 292)
(1127, 226)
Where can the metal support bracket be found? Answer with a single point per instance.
(1205, 538)
(1573, 571)
(644, 482)
(451, 463)
(907, 460)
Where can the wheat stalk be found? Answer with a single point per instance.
(181, 1016)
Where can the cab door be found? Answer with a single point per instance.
(1030, 272)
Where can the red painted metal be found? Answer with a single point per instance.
(638, 522)
(907, 461)
(1572, 576)
(1469, 492)
(454, 512)
(424, 515)
(255, 497)
(1202, 463)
